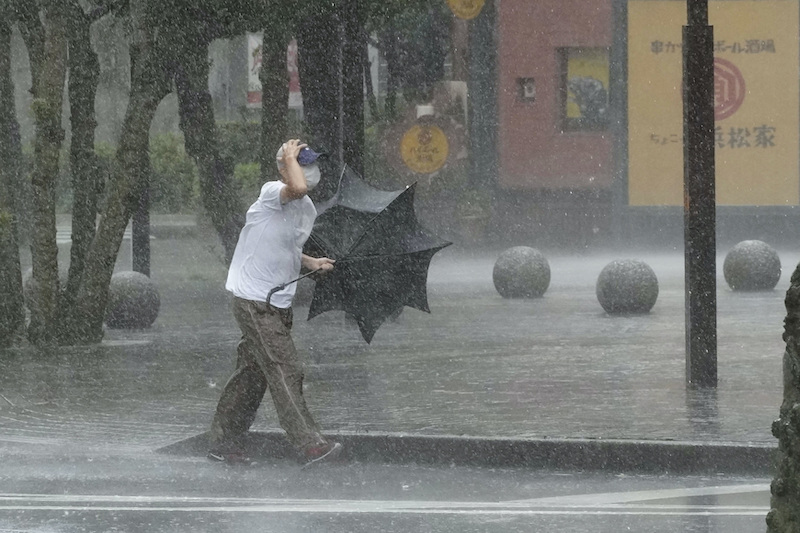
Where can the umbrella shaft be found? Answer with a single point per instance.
(281, 287)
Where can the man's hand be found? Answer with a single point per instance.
(291, 173)
(318, 263)
(291, 149)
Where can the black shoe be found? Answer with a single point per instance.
(326, 452)
(229, 457)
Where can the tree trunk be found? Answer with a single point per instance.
(391, 52)
(149, 85)
(274, 78)
(47, 109)
(84, 72)
(30, 27)
(784, 517)
(12, 312)
(319, 62)
(200, 134)
(353, 86)
(368, 86)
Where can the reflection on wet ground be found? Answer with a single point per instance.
(477, 365)
(148, 492)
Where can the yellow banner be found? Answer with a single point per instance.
(756, 92)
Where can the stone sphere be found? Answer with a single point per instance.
(627, 286)
(133, 301)
(521, 272)
(752, 266)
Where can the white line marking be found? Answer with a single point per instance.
(645, 495)
(116, 503)
(379, 510)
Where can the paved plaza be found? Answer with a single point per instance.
(555, 368)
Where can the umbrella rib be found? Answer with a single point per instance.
(322, 243)
(373, 219)
(383, 256)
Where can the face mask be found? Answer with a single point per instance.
(312, 176)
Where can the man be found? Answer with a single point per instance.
(268, 255)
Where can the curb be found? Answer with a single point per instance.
(645, 456)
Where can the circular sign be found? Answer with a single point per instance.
(424, 148)
(466, 9)
(729, 89)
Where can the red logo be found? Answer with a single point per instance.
(729, 88)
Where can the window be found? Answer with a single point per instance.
(584, 88)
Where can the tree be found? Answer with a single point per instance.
(48, 90)
(413, 38)
(169, 46)
(12, 312)
(784, 517)
(200, 134)
(87, 184)
(274, 87)
(150, 53)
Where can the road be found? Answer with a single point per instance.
(65, 489)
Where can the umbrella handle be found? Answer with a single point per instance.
(281, 287)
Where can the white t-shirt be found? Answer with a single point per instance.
(270, 246)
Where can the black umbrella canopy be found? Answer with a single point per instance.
(382, 253)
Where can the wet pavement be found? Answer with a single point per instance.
(479, 365)
(149, 493)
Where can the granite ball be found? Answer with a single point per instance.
(627, 286)
(133, 301)
(752, 266)
(521, 272)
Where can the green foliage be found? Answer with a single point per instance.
(247, 177)
(239, 141)
(240, 144)
(174, 181)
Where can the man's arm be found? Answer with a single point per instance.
(293, 175)
(317, 263)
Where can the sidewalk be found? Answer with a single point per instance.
(479, 367)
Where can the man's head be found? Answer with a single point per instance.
(307, 158)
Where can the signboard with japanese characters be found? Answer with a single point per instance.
(424, 148)
(756, 90)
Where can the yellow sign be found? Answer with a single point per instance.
(756, 87)
(466, 9)
(424, 148)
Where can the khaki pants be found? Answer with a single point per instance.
(267, 359)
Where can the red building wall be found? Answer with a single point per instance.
(534, 152)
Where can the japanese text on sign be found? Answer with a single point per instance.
(762, 136)
(748, 46)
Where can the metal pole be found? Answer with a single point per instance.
(699, 197)
(140, 235)
(618, 106)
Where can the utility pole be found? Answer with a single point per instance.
(699, 206)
